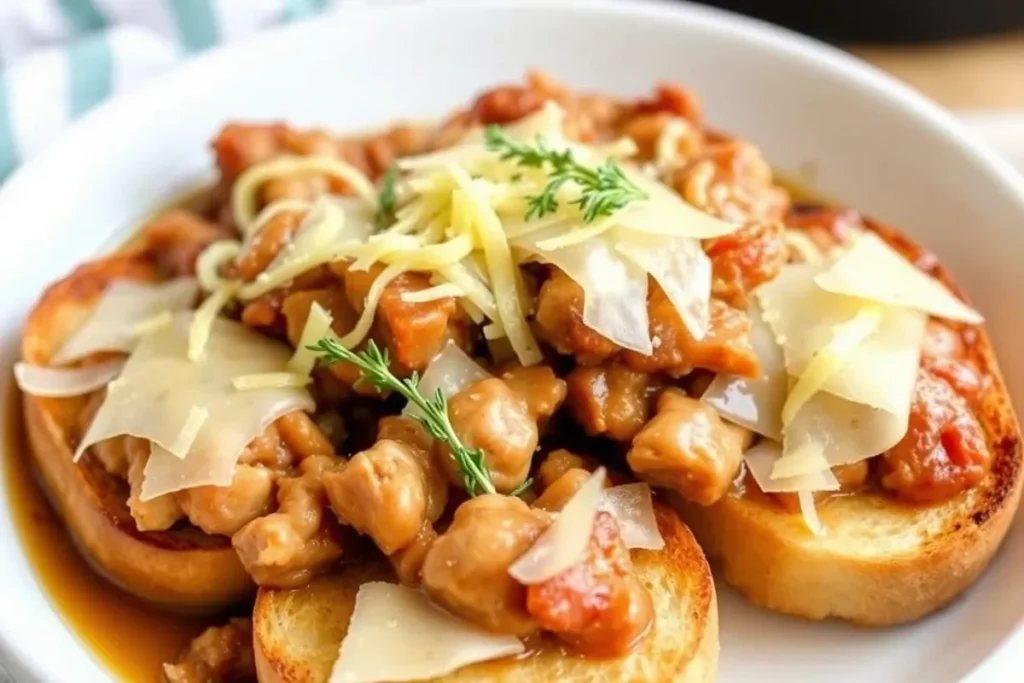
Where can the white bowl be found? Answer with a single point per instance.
(868, 140)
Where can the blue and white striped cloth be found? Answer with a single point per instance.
(59, 58)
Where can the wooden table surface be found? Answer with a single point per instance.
(976, 74)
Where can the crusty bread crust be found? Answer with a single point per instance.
(882, 562)
(297, 632)
(181, 568)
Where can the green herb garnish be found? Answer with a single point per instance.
(388, 198)
(374, 368)
(604, 190)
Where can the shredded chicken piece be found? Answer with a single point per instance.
(221, 654)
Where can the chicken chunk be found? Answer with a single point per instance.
(562, 489)
(176, 239)
(611, 399)
(408, 562)
(466, 568)
(291, 545)
(387, 492)
(725, 348)
(557, 463)
(413, 332)
(226, 509)
(155, 514)
(543, 390)
(559, 321)
(490, 416)
(221, 654)
(689, 449)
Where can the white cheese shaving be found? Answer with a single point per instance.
(873, 270)
(397, 634)
(632, 506)
(444, 290)
(451, 371)
(761, 458)
(563, 543)
(682, 269)
(754, 403)
(123, 305)
(60, 382)
(160, 389)
(270, 380)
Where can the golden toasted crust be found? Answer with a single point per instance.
(297, 633)
(882, 562)
(183, 568)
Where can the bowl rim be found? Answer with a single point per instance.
(828, 59)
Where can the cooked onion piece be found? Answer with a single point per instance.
(397, 634)
(451, 371)
(563, 543)
(123, 305)
(61, 382)
(633, 509)
(754, 403)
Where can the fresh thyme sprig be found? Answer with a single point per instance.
(388, 198)
(605, 189)
(374, 368)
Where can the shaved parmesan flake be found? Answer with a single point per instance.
(397, 634)
(563, 543)
(204, 318)
(160, 389)
(614, 290)
(873, 270)
(804, 460)
(245, 191)
(665, 213)
(802, 246)
(682, 269)
(318, 326)
(451, 371)
(122, 306)
(576, 235)
(862, 409)
(761, 458)
(60, 382)
(830, 359)
(633, 509)
(754, 403)
(211, 259)
(270, 380)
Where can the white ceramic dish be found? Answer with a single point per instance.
(867, 139)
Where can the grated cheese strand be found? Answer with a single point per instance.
(244, 193)
(362, 326)
(203, 319)
(210, 260)
(318, 326)
(189, 431)
(270, 380)
(441, 291)
(810, 513)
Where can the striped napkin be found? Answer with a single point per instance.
(59, 58)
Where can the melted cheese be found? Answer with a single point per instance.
(873, 270)
(563, 543)
(160, 391)
(397, 634)
(123, 305)
(58, 382)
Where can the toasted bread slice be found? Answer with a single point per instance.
(181, 568)
(297, 633)
(881, 562)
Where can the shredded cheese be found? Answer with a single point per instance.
(810, 513)
(152, 324)
(244, 193)
(197, 416)
(270, 380)
(318, 326)
(443, 291)
(202, 321)
(211, 259)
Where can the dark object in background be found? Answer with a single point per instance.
(885, 21)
